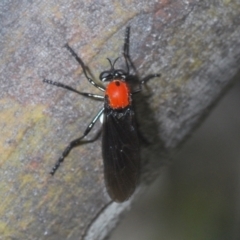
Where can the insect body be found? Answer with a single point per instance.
(120, 145)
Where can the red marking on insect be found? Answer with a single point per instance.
(118, 93)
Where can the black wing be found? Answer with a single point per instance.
(121, 155)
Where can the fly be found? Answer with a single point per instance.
(120, 143)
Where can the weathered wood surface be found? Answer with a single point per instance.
(195, 45)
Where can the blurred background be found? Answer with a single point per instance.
(197, 197)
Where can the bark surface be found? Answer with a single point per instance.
(195, 45)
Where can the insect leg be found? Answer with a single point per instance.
(129, 62)
(58, 84)
(75, 142)
(79, 60)
(145, 80)
(148, 77)
(126, 54)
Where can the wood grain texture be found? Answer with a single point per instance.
(195, 45)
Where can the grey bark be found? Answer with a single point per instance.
(195, 45)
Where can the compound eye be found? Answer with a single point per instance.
(104, 76)
(119, 73)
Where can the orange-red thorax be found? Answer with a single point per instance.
(118, 94)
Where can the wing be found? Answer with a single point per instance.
(121, 155)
